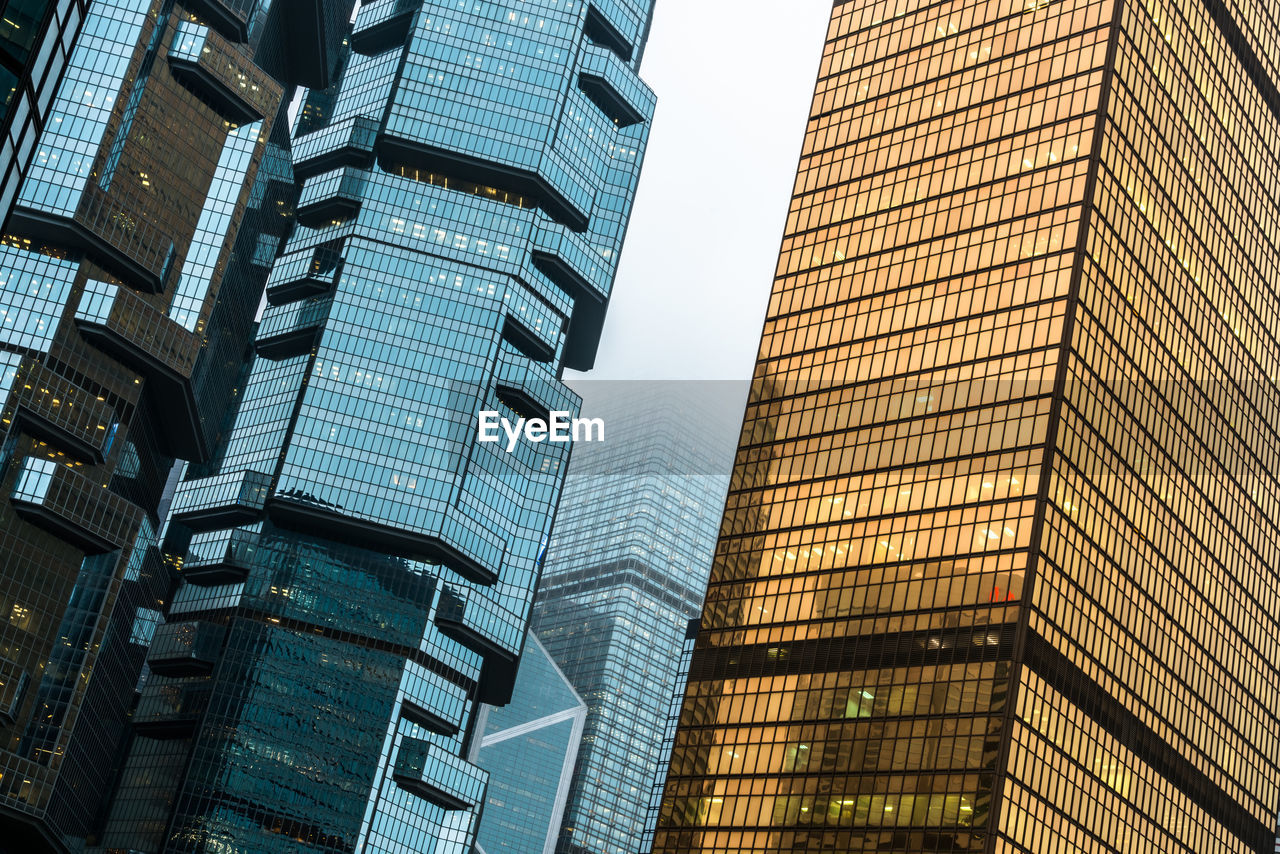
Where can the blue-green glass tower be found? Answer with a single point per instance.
(36, 39)
(144, 174)
(357, 569)
(626, 570)
(528, 748)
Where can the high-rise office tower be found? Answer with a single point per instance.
(626, 568)
(357, 568)
(998, 567)
(669, 730)
(135, 255)
(528, 748)
(36, 38)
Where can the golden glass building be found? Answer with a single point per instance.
(998, 570)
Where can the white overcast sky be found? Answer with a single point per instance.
(734, 79)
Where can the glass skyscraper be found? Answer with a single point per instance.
(36, 38)
(157, 186)
(668, 742)
(356, 568)
(998, 571)
(626, 567)
(528, 748)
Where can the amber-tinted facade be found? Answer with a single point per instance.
(998, 566)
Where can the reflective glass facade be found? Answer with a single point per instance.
(669, 737)
(356, 568)
(625, 570)
(998, 568)
(163, 117)
(528, 748)
(36, 37)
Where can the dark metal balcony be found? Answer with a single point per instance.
(221, 557)
(74, 507)
(289, 330)
(304, 274)
(435, 775)
(60, 412)
(186, 649)
(221, 501)
(171, 709)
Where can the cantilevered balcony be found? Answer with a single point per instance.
(346, 143)
(186, 649)
(60, 412)
(13, 689)
(382, 25)
(435, 775)
(221, 501)
(220, 557)
(205, 63)
(332, 197)
(125, 326)
(287, 330)
(569, 261)
(171, 709)
(119, 322)
(308, 273)
(445, 711)
(231, 17)
(70, 505)
(610, 24)
(528, 387)
(615, 87)
(140, 251)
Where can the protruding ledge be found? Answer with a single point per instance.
(382, 25)
(426, 770)
(222, 557)
(306, 514)
(98, 244)
(393, 152)
(302, 274)
(123, 325)
(290, 329)
(427, 719)
(221, 501)
(229, 17)
(171, 710)
(346, 143)
(602, 31)
(614, 87)
(524, 339)
(70, 505)
(186, 649)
